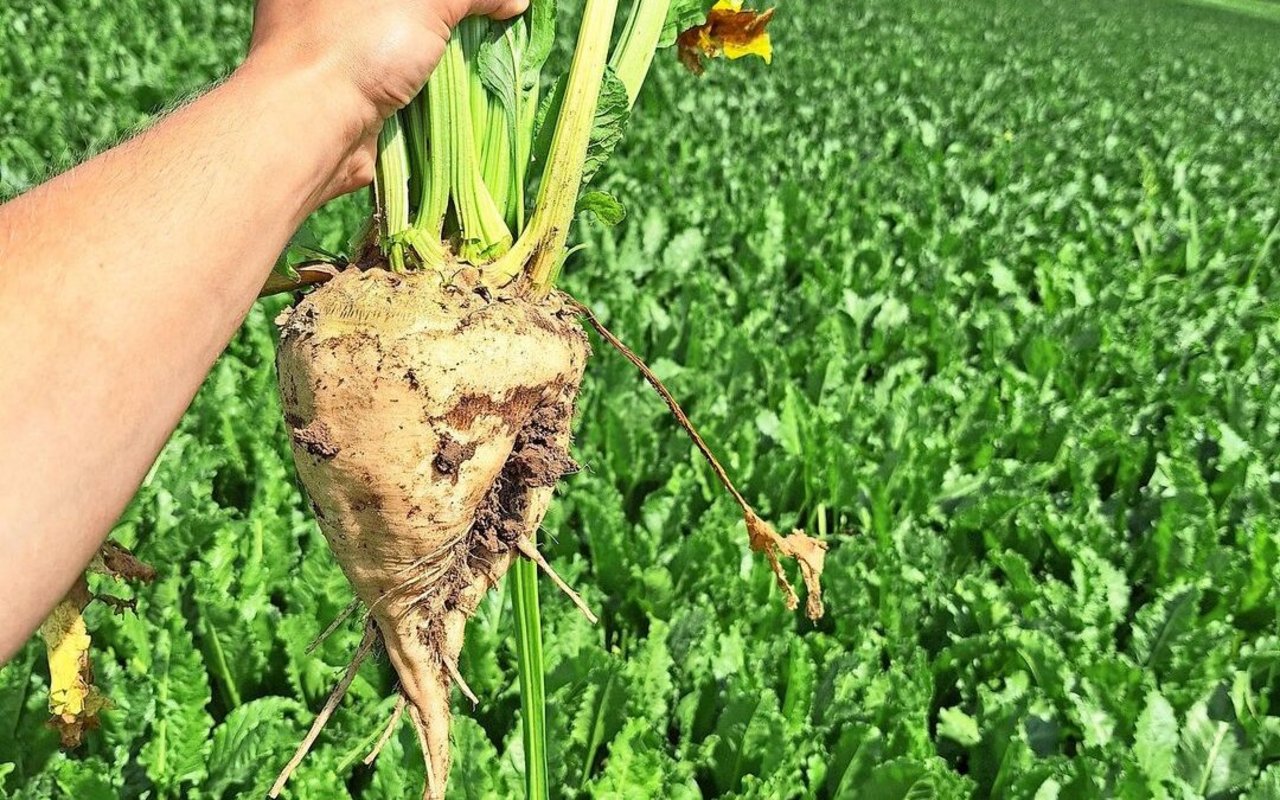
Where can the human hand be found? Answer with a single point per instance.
(372, 57)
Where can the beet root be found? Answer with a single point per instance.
(430, 423)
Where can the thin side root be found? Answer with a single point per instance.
(809, 552)
(387, 732)
(432, 560)
(456, 676)
(431, 792)
(530, 551)
(333, 626)
(335, 697)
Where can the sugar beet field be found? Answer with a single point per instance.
(985, 293)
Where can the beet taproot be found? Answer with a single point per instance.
(430, 422)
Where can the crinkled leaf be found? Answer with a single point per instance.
(605, 207)
(1210, 758)
(541, 18)
(1156, 739)
(1159, 625)
(85, 779)
(176, 752)
(958, 726)
(639, 766)
(248, 742)
(1266, 787)
(612, 112)
(502, 63)
(479, 771)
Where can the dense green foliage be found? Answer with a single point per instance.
(986, 293)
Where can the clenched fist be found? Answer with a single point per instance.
(375, 56)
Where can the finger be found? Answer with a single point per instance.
(498, 9)
(511, 8)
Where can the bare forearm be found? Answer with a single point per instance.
(120, 282)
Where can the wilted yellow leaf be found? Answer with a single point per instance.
(809, 552)
(729, 31)
(74, 702)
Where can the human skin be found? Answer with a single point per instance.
(123, 279)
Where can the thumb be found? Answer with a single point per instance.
(497, 9)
